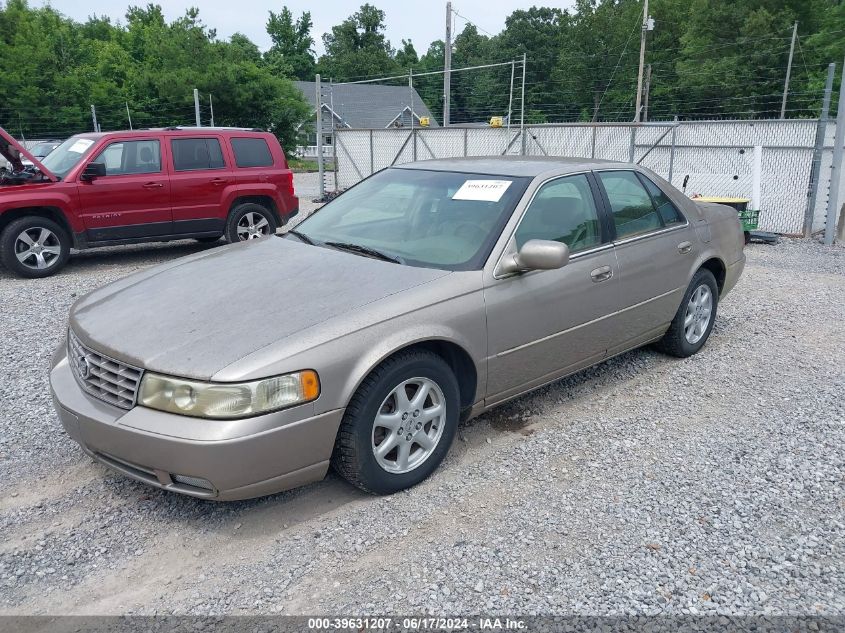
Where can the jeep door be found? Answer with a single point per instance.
(132, 201)
(199, 178)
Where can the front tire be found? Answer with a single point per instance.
(34, 247)
(399, 425)
(694, 319)
(250, 221)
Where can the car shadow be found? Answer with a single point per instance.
(265, 516)
(151, 254)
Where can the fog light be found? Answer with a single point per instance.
(194, 482)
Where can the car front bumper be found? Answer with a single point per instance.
(213, 459)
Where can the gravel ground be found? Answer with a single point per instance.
(644, 485)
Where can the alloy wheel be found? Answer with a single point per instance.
(409, 425)
(699, 312)
(252, 226)
(37, 248)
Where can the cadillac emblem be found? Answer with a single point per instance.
(83, 367)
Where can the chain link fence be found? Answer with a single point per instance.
(717, 156)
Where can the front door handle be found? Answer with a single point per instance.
(152, 185)
(601, 274)
(684, 247)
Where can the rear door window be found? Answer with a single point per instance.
(191, 154)
(252, 152)
(633, 211)
(668, 211)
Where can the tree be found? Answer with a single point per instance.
(54, 68)
(407, 56)
(536, 33)
(292, 50)
(358, 47)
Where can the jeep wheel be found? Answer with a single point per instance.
(34, 247)
(249, 221)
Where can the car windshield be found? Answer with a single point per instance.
(62, 159)
(435, 219)
(42, 149)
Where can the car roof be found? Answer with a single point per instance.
(514, 165)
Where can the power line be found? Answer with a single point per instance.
(609, 81)
(455, 12)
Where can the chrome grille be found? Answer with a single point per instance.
(103, 377)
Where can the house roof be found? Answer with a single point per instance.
(368, 105)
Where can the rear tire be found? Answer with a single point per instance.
(694, 319)
(408, 405)
(34, 247)
(249, 221)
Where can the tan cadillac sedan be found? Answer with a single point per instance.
(423, 296)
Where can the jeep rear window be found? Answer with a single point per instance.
(252, 152)
(190, 154)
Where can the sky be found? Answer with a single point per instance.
(422, 22)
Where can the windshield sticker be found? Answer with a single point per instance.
(484, 190)
(81, 145)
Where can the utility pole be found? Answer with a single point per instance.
(211, 107)
(836, 168)
(821, 130)
(642, 62)
(788, 71)
(447, 65)
(128, 116)
(319, 96)
(94, 118)
(197, 107)
(522, 104)
(647, 90)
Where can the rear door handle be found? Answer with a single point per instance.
(684, 247)
(601, 274)
(152, 185)
(218, 181)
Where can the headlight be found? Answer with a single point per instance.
(224, 401)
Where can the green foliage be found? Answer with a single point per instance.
(292, 51)
(53, 69)
(358, 47)
(709, 58)
(407, 56)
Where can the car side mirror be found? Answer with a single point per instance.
(93, 170)
(536, 255)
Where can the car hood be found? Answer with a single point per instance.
(194, 316)
(12, 151)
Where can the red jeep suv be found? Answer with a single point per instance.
(140, 186)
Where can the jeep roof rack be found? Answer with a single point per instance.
(216, 127)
